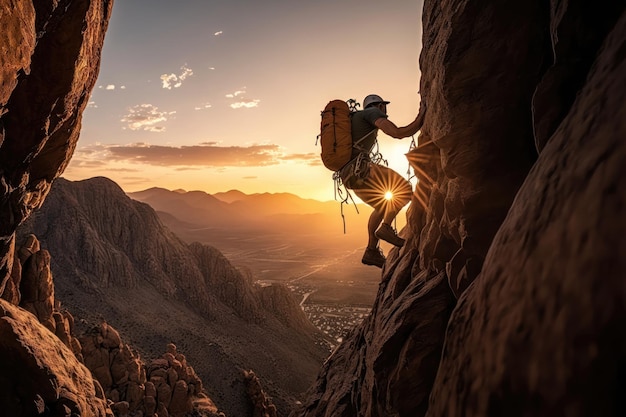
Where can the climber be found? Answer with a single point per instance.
(383, 189)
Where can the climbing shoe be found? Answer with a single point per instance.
(386, 233)
(373, 257)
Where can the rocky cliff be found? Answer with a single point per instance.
(115, 260)
(509, 297)
(48, 370)
(49, 62)
(48, 66)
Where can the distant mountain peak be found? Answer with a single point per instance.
(230, 196)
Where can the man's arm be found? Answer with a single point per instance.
(389, 128)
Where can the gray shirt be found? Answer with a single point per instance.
(364, 129)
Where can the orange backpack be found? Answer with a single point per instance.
(336, 133)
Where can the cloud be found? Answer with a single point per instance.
(242, 103)
(245, 104)
(199, 156)
(236, 93)
(111, 87)
(203, 106)
(146, 117)
(250, 178)
(173, 80)
(311, 159)
(184, 169)
(218, 33)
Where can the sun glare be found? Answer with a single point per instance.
(388, 195)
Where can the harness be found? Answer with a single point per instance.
(357, 169)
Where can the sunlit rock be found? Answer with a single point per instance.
(44, 372)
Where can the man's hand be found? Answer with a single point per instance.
(390, 128)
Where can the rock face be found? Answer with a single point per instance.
(40, 374)
(47, 72)
(552, 294)
(518, 215)
(114, 259)
(48, 66)
(231, 286)
(32, 289)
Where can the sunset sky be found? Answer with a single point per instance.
(214, 95)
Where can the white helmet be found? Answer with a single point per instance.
(373, 99)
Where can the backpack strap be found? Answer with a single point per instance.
(358, 142)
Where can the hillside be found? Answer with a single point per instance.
(114, 259)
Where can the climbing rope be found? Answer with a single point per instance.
(340, 189)
(410, 175)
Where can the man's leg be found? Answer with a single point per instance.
(395, 193)
(374, 221)
(373, 191)
(373, 254)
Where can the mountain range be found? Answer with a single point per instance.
(113, 258)
(263, 211)
(276, 237)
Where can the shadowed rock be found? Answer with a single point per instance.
(537, 332)
(551, 295)
(134, 387)
(40, 372)
(261, 403)
(48, 71)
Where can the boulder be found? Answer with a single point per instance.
(44, 372)
(181, 402)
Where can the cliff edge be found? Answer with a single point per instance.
(509, 297)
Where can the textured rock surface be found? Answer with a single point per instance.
(31, 287)
(552, 296)
(168, 382)
(40, 373)
(261, 403)
(231, 286)
(49, 64)
(538, 332)
(279, 300)
(117, 373)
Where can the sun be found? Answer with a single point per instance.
(388, 195)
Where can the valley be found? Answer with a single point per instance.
(318, 262)
(335, 290)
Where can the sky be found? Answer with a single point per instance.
(214, 95)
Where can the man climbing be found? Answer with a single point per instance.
(383, 189)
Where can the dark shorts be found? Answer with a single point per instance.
(379, 180)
